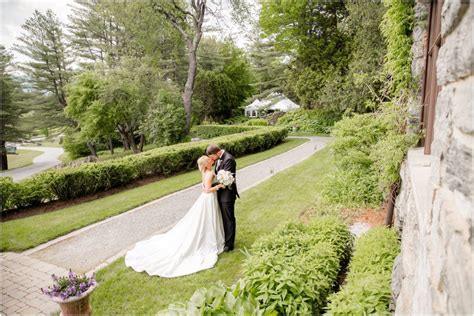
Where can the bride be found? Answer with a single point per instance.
(192, 244)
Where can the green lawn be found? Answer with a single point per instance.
(23, 158)
(262, 209)
(29, 232)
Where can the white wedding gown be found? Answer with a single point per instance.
(192, 245)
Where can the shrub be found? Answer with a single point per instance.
(165, 123)
(315, 121)
(7, 189)
(211, 131)
(217, 300)
(293, 270)
(369, 279)
(67, 183)
(256, 122)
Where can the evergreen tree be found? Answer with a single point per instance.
(10, 110)
(48, 68)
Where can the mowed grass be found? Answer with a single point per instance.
(23, 158)
(260, 210)
(25, 233)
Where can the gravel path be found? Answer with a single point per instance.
(47, 160)
(97, 245)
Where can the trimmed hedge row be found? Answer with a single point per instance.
(211, 131)
(69, 183)
(293, 270)
(290, 272)
(368, 287)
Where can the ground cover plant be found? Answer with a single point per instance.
(315, 121)
(123, 291)
(24, 233)
(69, 183)
(368, 284)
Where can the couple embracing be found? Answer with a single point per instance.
(206, 230)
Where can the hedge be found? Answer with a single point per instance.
(368, 287)
(211, 131)
(69, 183)
(289, 272)
(294, 270)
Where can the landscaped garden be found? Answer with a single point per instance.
(143, 106)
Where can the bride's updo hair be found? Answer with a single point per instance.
(202, 163)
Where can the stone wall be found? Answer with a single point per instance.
(434, 211)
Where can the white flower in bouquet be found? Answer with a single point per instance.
(225, 177)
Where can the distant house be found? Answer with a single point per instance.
(273, 103)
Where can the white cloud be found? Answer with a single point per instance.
(15, 13)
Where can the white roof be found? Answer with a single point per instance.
(274, 101)
(284, 105)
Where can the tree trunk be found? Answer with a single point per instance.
(3, 156)
(124, 135)
(142, 142)
(133, 144)
(189, 87)
(111, 146)
(91, 147)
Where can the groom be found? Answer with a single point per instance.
(226, 197)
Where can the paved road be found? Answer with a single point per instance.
(47, 160)
(87, 249)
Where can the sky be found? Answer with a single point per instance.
(15, 12)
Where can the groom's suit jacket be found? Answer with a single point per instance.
(227, 162)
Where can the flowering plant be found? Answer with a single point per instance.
(68, 286)
(225, 177)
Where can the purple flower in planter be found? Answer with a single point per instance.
(72, 285)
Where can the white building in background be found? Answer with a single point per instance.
(273, 103)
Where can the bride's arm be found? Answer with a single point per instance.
(208, 188)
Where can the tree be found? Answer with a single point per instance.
(188, 20)
(224, 87)
(48, 70)
(310, 33)
(84, 108)
(268, 66)
(165, 122)
(10, 110)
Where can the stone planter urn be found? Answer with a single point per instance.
(76, 305)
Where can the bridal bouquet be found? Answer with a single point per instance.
(225, 177)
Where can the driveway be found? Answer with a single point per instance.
(47, 160)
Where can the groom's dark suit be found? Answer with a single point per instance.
(226, 198)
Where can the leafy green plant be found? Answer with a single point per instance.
(257, 122)
(316, 121)
(294, 269)
(8, 189)
(368, 287)
(218, 300)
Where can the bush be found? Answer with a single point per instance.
(7, 189)
(166, 120)
(313, 121)
(211, 131)
(256, 122)
(67, 183)
(369, 149)
(368, 287)
(293, 270)
(217, 300)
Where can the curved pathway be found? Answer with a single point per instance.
(47, 160)
(97, 245)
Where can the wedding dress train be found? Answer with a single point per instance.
(193, 244)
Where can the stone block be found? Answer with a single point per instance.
(452, 14)
(463, 105)
(459, 171)
(456, 55)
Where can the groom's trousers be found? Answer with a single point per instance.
(228, 219)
